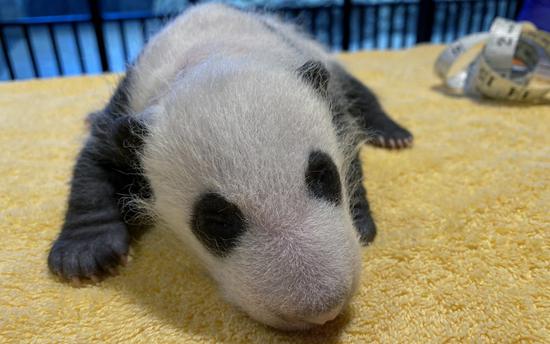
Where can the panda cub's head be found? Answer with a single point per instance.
(245, 167)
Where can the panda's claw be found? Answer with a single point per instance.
(379, 141)
(390, 135)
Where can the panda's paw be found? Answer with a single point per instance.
(89, 255)
(365, 227)
(388, 134)
(362, 219)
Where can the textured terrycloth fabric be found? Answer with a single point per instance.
(462, 255)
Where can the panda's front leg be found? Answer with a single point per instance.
(95, 236)
(94, 240)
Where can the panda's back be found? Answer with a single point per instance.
(215, 30)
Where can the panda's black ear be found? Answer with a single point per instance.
(315, 74)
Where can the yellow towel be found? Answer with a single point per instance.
(462, 255)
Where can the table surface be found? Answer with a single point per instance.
(462, 253)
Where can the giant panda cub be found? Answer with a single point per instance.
(239, 133)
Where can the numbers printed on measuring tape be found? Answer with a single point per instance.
(505, 41)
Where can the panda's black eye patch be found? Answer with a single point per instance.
(322, 178)
(217, 223)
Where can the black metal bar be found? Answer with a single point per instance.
(390, 30)
(469, 21)
(483, 15)
(405, 29)
(143, 24)
(494, 13)
(165, 18)
(6, 54)
(313, 22)
(361, 26)
(456, 21)
(508, 7)
(445, 26)
(74, 29)
(330, 28)
(507, 13)
(302, 18)
(346, 24)
(375, 25)
(425, 20)
(58, 64)
(476, 8)
(285, 15)
(122, 32)
(97, 22)
(498, 6)
(295, 14)
(153, 26)
(519, 6)
(30, 49)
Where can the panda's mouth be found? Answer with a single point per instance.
(311, 321)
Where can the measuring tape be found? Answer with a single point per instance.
(512, 56)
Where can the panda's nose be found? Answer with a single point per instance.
(313, 318)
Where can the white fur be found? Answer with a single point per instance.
(227, 113)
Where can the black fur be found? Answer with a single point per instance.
(119, 102)
(359, 206)
(322, 178)
(315, 74)
(96, 234)
(361, 103)
(217, 223)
